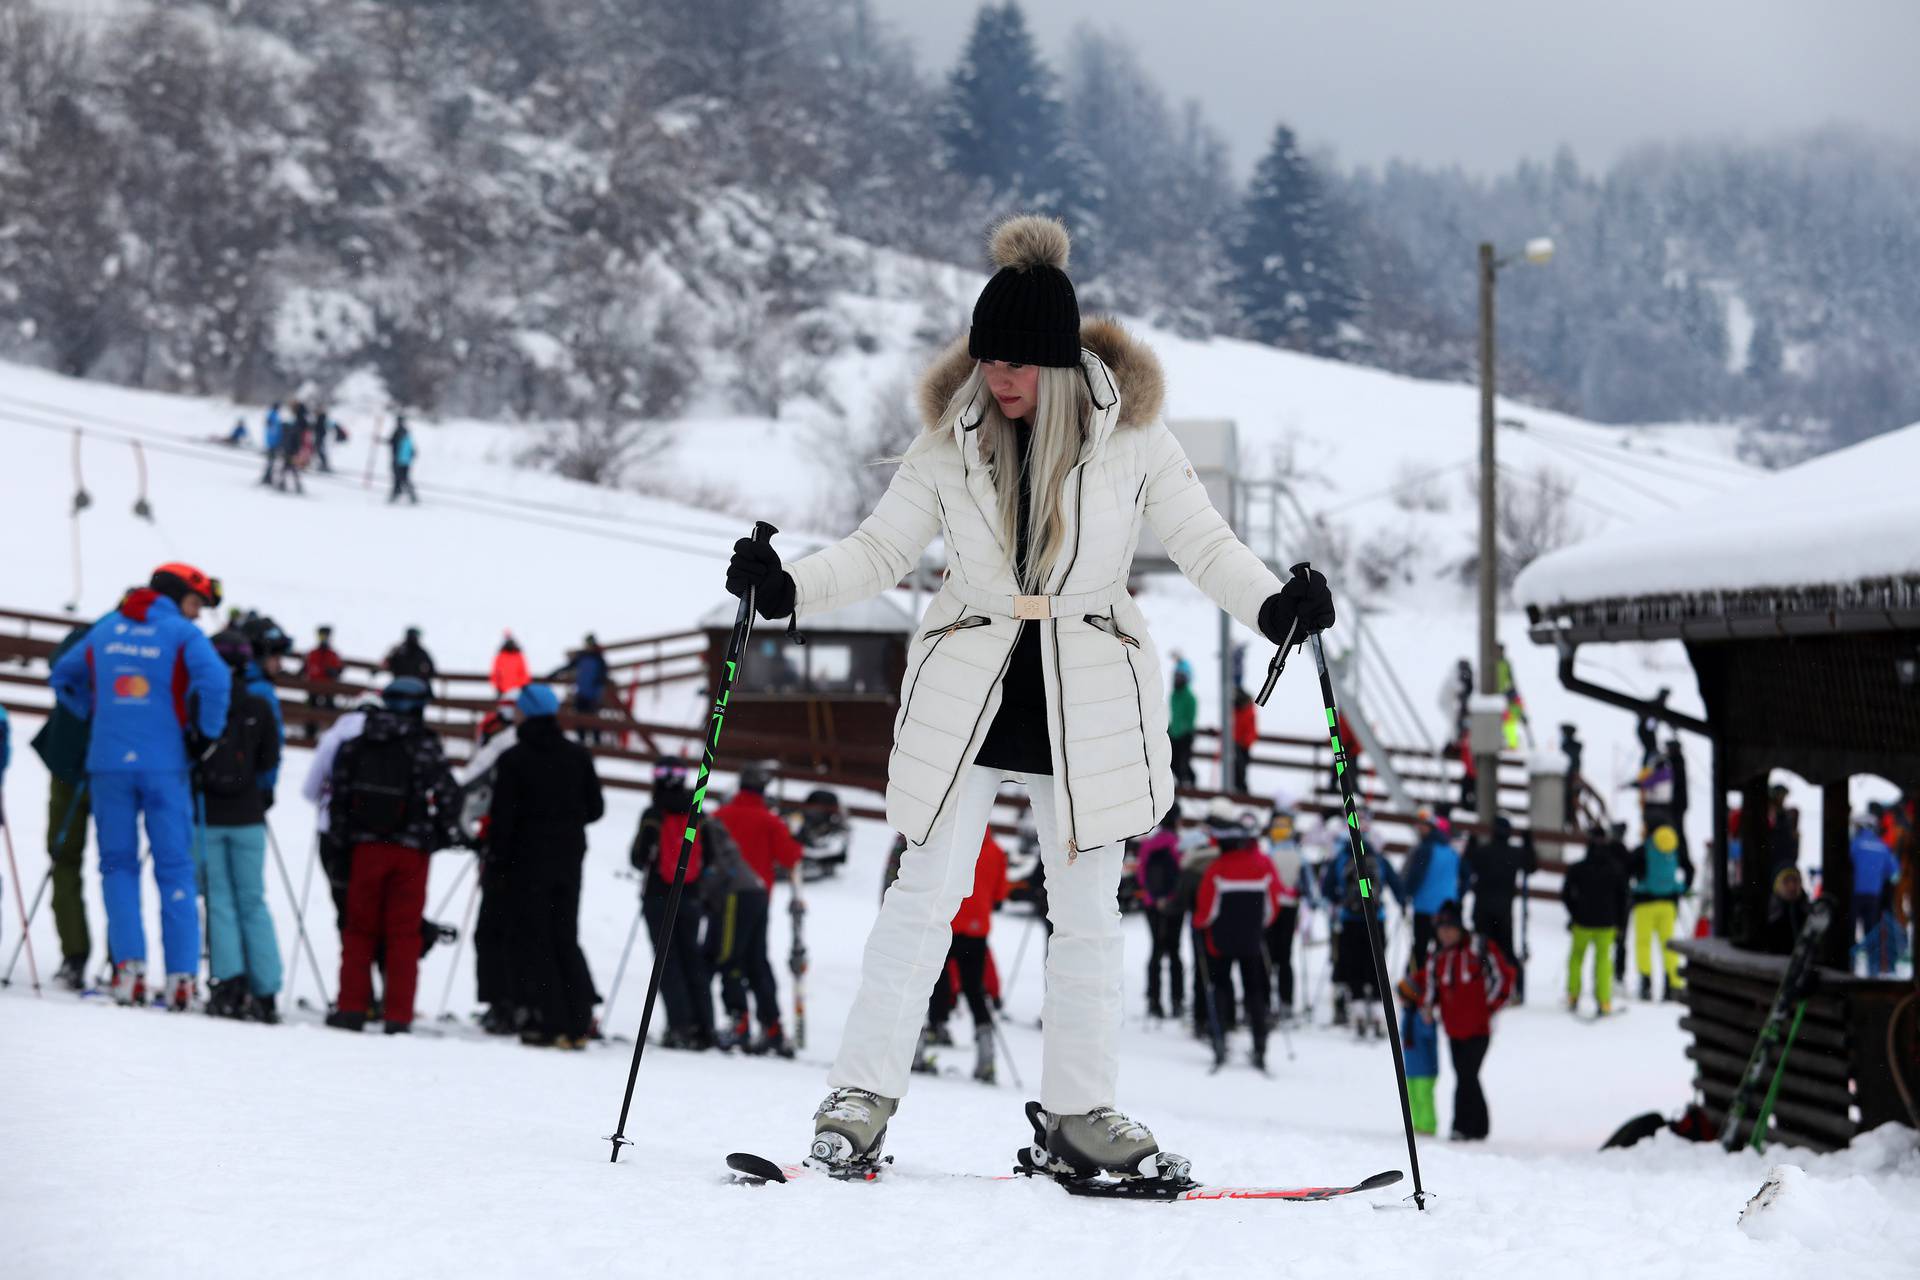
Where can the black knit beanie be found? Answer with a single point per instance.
(1028, 314)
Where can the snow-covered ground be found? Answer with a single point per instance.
(299, 1150)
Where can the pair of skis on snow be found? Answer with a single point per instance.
(1170, 1179)
(752, 1170)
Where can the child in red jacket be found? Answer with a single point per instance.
(1239, 899)
(1465, 981)
(967, 962)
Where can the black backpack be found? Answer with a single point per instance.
(228, 769)
(378, 789)
(1162, 873)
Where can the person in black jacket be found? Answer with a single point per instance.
(232, 850)
(1595, 891)
(410, 657)
(686, 985)
(1494, 868)
(545, 795)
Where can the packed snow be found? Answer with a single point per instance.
(149, 1144)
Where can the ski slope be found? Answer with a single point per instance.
(299, 1150)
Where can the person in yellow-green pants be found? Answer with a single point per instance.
(1420, 1045)
(1663, 877)
(1595, 891)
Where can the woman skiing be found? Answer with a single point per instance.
(1044, 452)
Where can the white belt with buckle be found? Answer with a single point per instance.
(1034, 608)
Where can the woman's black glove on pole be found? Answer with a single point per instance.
(1305, 597)
(756, 567)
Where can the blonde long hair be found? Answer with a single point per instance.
(1061, 411)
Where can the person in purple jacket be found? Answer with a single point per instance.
(1157, 869)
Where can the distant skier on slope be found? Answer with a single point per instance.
(1044, 453)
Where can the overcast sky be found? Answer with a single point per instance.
(1483, 83)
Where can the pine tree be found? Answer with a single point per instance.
(1290, 272)
(1003, 120)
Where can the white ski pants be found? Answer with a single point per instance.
(907, 951)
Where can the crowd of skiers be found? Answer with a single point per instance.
(296, 438)
(156, 723)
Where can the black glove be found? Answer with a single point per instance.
(1305, 597)
(756, 567)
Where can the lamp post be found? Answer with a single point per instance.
(1485, 737)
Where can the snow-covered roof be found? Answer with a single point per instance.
(1845, 517)
(880, 615)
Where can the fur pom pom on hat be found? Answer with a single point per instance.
(1030, 241)
(1028, 313)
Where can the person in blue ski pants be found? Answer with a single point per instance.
(148, 680)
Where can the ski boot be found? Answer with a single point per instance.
(849, 1128)
(263, 1009)
(1646, 989)
(736, 1034)
(72, 975)
(130, 982)
(1155, 1010)
(1099, 1151)
(180, 992)
(771, 1040)
(1260, 1056)
(227, 998)
(923, 1062)
(938, 1034)
(1671, 994)
(347, 1020)
(983, 1069)
(498, 1020)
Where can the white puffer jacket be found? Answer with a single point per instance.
(1106, 710)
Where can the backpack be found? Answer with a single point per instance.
(1162, 873)
(376, 789)
(228, 770)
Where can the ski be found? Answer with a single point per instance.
(752, 1170)
(1794, 987)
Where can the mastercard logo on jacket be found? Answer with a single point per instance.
(132, 685)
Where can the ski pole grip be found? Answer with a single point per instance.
(763, 532)
(1301, 570)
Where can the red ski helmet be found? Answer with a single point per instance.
(174, 580)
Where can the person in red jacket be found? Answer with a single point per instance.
(509, 674)
(1465, 981)
(1246, 732)
(765, 843)
(1239, 899)
(322, 665)
(967, 959)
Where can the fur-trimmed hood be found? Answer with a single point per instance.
(1134, 368)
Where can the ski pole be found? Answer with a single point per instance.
(1214, 1031)
(299, 923)
(736, 653)
(20, 902)
(459, 944)
(1020, 954)
(447, 897)
(300, 911)
(1013, 1068)
(33, 913)
(1362, 871)
(639, 910)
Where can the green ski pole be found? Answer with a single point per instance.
(1363, 872)
(736, 652)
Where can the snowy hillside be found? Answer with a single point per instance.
(302, 1150)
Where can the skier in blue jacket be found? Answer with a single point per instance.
(1874, 868)
(156, 694)
(1432, 876)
